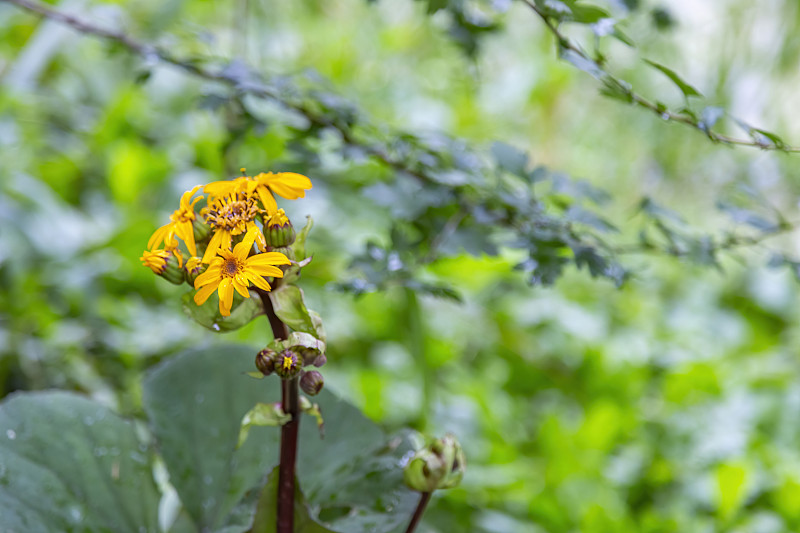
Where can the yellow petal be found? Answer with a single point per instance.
(270, 206)
(269, 258)
(186, 232)
(290, 185)
(240, 284)
(209, 276)
(160, 235)
(242, 250)
(259, 282)
(264, 270)
(225, 296)
(202, 295)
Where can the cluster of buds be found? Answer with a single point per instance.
(219, 237)
(439, 465)
(289, 359)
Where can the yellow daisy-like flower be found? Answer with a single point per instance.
(289, 185)
(180, 224)
(155, 260)
(235, 271)
(228, 216)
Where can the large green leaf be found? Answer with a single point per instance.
(69, 464)
(352, 479)
(195, 402)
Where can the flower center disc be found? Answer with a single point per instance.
(230, 267)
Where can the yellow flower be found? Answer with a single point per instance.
(180, 224)
(220, 189)
(289, 185)
(229, 216)
(155, 260)
(235, 271)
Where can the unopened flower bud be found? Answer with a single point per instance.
(165, 263)
(287, 364)
(440, 465)
(265, 362)
(317, 360)
(287, 251)
(312, 382)
(193, 269)
(278, 230)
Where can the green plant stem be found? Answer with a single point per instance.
(290, 403)
(424, 498)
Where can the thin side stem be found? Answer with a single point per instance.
(290, 403)
(424, 498)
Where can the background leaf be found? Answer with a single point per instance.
(70, 464)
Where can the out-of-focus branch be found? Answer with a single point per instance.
(611, 81)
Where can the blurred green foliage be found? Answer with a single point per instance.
(667, 405)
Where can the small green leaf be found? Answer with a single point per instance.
(290, 307)
(312, 409)
(685, 88)
(588, 14)
(299, 245)
(207, 315)
(262, 414)
(301, 342)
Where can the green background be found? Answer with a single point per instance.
(667, 405)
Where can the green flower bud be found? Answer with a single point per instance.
(287, 364)
(278, 230)
(173, 268)
(265, 361)
(312, 382)
(200, 229)
(440, 465)
(193, 269)
(285, 250)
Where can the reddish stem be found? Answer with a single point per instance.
(289, 431)
(424, 498)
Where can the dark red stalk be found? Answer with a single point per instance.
(424, 498)
(289, 431)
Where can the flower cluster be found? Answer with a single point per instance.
(227, 250)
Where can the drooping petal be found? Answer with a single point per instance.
(225, 296)
(270, 206)
(290, 185)
(240, 284)
(185, 231)
(162, 234)
(185, 204)
(202, 295)
(259, 282)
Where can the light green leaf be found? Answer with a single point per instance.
(195, 402)
(262, 414)
(685, 88)
(299, 245)
(69, 464)
(290, 307)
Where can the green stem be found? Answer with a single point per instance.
(415, 344)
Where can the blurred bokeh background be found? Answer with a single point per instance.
(667, 405)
